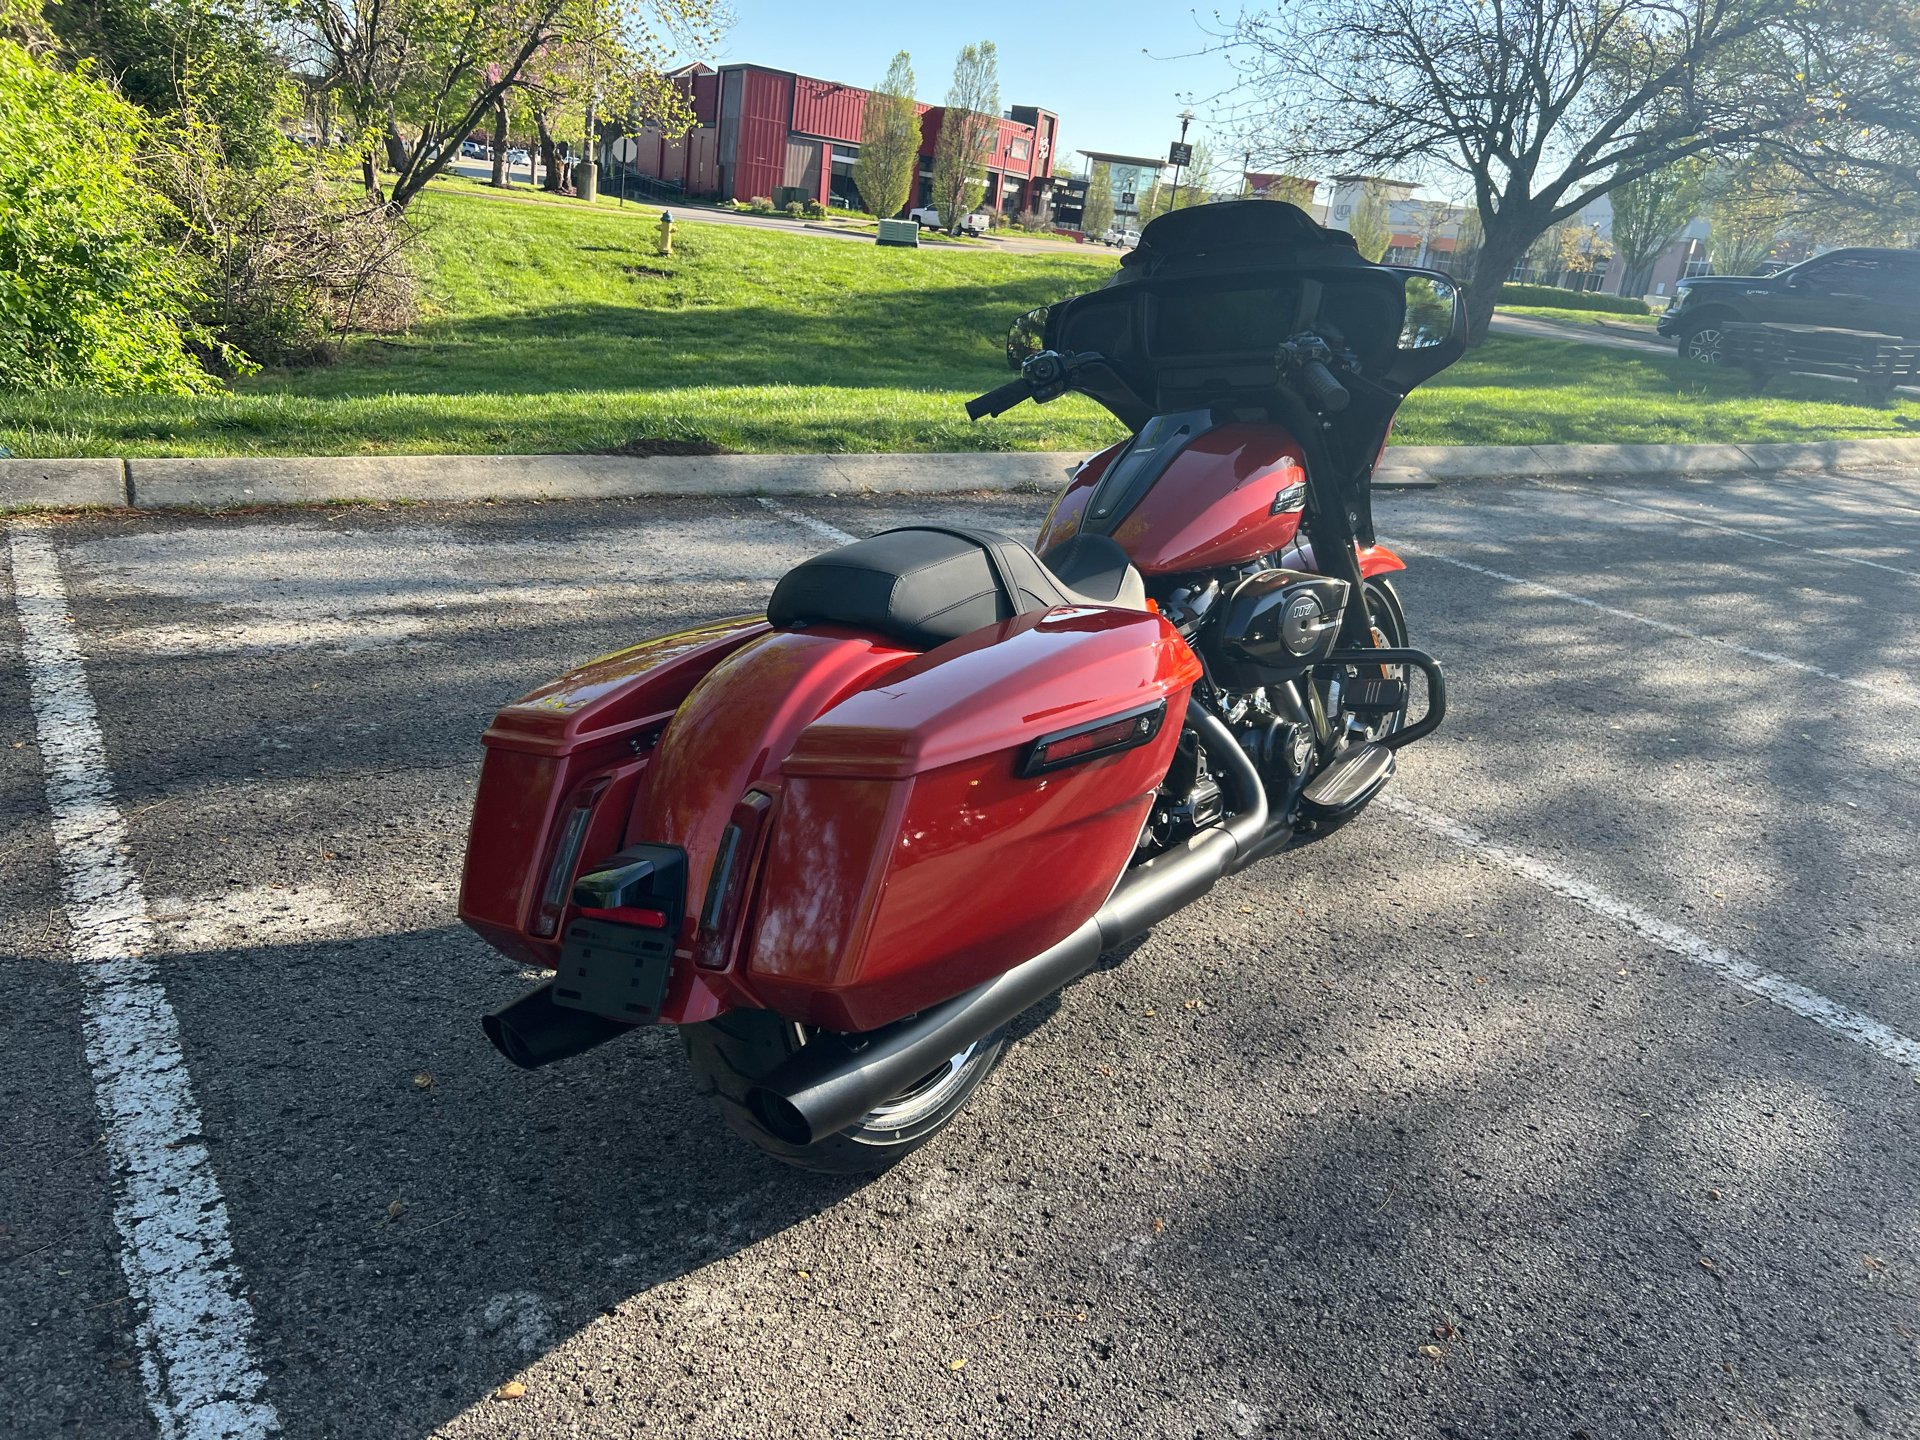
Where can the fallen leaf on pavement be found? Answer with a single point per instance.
(512, 1390)
(1158, 1224)
(957, 1364)
(424, 1080)
(1433, 1352)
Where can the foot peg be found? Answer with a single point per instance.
(1348, 783)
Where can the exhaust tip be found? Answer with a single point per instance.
(507, 1040)
(779, 1116)
(533, 1031)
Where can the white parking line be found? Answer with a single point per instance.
(196, 1350)
(1768, 656)
(1727, 529)
(818, 527)
(1776, 989)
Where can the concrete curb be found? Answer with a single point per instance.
(1529, 462)
(63, 484)
(215, 483)
(220, 483)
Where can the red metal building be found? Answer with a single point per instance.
(772, 133)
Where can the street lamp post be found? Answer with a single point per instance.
(1186, 119)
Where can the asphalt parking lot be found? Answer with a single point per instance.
(1573, 1093)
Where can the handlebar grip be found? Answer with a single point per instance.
(1327, 393)
(995, 402)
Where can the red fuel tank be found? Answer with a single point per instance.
(1214, 505)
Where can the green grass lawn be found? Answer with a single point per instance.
(551, 327)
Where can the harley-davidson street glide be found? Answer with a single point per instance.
(842, 845)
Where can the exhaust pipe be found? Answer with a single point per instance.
(533, 1031)
(836, 1079)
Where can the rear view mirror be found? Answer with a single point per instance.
(1026, 337)
(1433, 306)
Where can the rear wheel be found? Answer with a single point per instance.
(731, 1054)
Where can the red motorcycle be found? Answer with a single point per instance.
(843, 845)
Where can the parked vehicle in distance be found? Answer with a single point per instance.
(519, 157)
(473, 151)
(1858, 288)
(928, 218)
(1124, 239)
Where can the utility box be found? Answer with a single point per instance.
(900, 232)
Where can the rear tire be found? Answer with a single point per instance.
(731, 1054)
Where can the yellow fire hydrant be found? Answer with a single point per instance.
(666, 232)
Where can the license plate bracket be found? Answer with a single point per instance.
(615, 970)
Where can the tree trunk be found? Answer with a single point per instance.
(500, 178)
(396, 145)
(549, 154)
(1506, 240)
(370, 176)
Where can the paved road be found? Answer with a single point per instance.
(1572, 1095)
(1585, 334)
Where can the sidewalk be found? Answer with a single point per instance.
(215, 484)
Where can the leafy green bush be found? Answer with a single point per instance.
(87, 298)
(1554, 296)
(815, 210)
(761, 205)
(796, 209)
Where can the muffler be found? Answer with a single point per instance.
(533, 1031)
(835, 1079)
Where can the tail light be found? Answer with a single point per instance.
(566, 858)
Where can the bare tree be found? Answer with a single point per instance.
(889, 142)
(1648, 216)
(1748, 205)
(1855, 162)
(446, 66)
(969, 131)
(1540, 105)
(1369, 226)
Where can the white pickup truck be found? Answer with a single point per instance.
(928, 218)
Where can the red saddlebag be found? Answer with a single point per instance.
(962, 814)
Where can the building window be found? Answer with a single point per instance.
(1697, 262)
(1018, 148)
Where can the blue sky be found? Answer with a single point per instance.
(1083, 61)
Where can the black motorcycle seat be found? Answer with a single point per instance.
(924, 586)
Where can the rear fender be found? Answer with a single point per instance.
(721, 751)
(584, 738)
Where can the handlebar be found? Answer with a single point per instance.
(1328, 395)
(995, 402)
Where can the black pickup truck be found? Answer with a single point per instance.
(1853, 289)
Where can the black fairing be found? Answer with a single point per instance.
(1193, 321)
